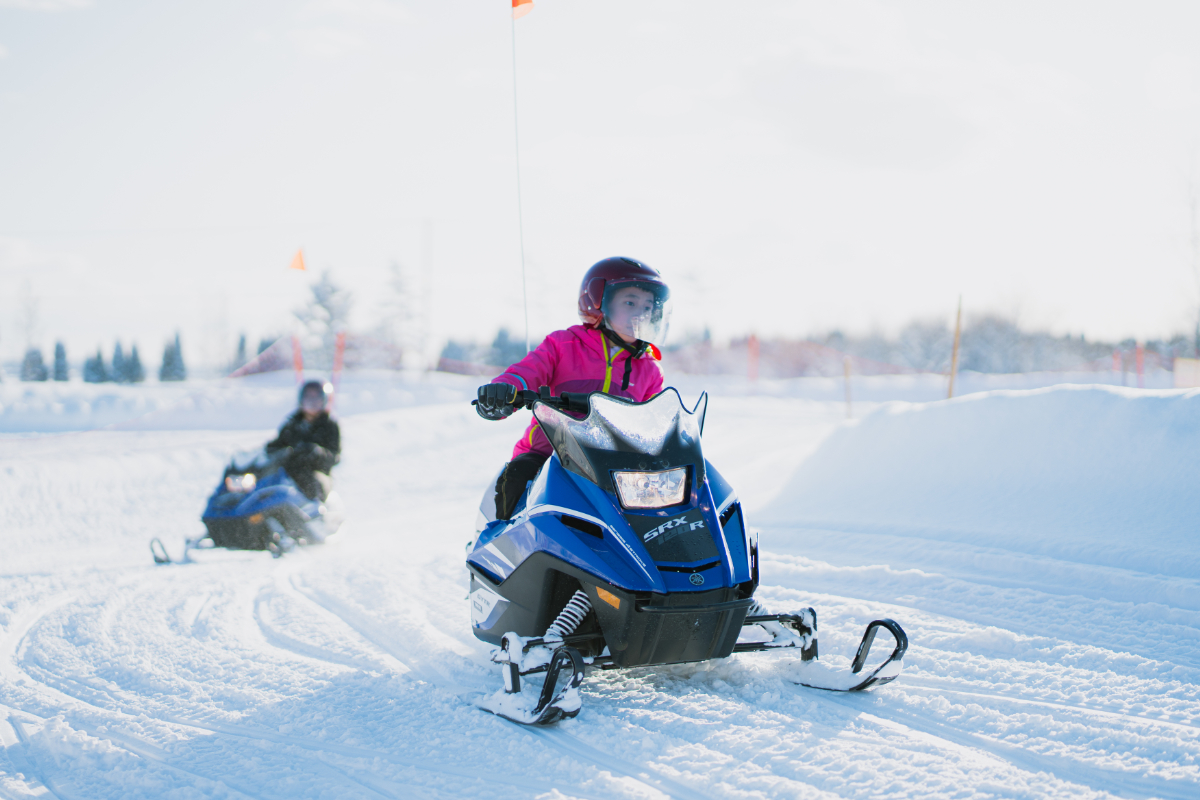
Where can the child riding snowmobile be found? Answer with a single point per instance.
(280, 496)
(626, 548)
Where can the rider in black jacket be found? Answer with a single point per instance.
(314, 439)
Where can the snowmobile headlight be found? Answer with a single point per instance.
(241, 483)
(651, 489)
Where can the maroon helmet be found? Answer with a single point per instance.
(606, 277)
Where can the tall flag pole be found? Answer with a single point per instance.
(519, 9)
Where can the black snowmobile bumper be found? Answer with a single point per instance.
(238, 533)
(642, 633)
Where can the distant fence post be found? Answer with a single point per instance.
(339, 359)
(297, 359)
(954, 357)
(846, 364)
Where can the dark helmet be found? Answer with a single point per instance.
(605, 276)
(324, 387)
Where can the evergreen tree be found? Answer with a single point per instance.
(172, 368)
(240, 359)
(118, 365)
(505, 350)
(169, 369)
(33, 368)
(134, 371)
(94, 370)
(179, 358)
(61, 371)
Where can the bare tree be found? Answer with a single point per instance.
(326, 314)
(926, 346)
(28, 318)
(399, 310)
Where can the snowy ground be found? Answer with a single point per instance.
(1039, 547)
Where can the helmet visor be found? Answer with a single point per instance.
(638, 310)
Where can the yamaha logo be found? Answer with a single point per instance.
(697, 579)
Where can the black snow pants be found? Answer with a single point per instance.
(513, 479)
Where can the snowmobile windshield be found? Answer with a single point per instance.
(256, 461)
(619, 434)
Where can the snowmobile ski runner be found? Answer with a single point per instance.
(629, 549)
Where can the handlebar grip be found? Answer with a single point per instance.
(567, 401)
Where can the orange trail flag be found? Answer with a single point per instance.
(298, 261)
(521, 8)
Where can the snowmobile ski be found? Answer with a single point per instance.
(159, 551)
(551, 705)
(886, 672)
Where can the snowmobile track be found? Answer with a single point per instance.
(29, 759)
(1115, 716)
(564, 742)
(369, 630)
(350, 751)
(11, 669)
(573, 747)
(1098, 780)
(153, 753)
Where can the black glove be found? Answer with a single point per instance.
(496, 400)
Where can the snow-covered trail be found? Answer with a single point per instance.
(349, 671)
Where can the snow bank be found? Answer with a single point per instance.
(923, 387)
(256, 402)
(1087, 474)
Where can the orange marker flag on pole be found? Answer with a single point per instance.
(521, 8)
(298, 261)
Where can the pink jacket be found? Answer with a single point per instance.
(574, 361)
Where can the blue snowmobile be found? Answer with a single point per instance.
(628, 550)
(257, 506)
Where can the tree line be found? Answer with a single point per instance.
(121, 369)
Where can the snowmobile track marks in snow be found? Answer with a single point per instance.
(280, 640)
(351, 751)
(1115, 716)
(369, 630)
(30, 760)
(566, 743)
(1063, 768)
(576, 748)
(57, 697)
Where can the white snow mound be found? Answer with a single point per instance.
(1089, 474)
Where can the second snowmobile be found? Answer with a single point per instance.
(628, 550)
(257, 506)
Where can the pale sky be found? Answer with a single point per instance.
(789, 166)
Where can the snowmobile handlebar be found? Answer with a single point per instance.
(567, 401)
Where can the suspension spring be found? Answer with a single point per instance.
(757, 609)
(569, 618)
